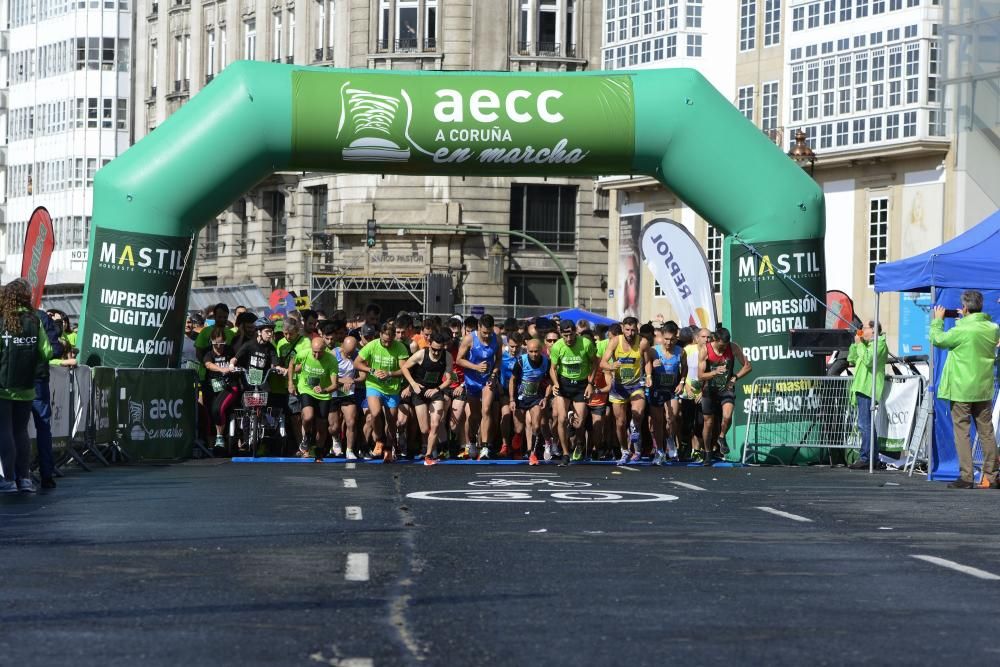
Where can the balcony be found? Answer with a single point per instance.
(277, 245)
(382, 45)
(318, 55)
(208, 78)
(408, 45)
(154, 10)
(329, 53)
(209, 250)
(523, 48)
(430, 44)
(548, 48)
(152, 91)
(571, 51)
(289, 60)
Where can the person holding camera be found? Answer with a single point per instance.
(863, 352)
(967, 381)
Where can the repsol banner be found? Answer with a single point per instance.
(366, 122)
(763, 304)
(156, 412)
(132, 317)
(681, 270)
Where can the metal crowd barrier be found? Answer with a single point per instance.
(816, 412)
(109, 415)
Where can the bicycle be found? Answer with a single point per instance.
(255, 421)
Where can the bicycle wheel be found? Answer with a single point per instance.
(253, 433)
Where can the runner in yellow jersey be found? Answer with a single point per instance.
(628, 367)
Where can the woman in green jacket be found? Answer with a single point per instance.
(861, 355)
(24, 350)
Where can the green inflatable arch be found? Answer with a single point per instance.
(258, 118)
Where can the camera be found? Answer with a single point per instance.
(952, 313)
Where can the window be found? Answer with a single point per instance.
(845, 10)
(713, 252)
(875, 129)
(826, 135)
(910, 124)
(829, 11)
(672, 15)
(320, 200)
(694, 46)
(547, 212)
(769, 107)
(537, 289)
(121, 117)
(276, 27)
(223, 49)
(275, 203)
(878, 235)
(748, 25)
(798, 18)
(671, 46)
(290, 42)
(859, 131)
(210, 49)
(912, 73)
(250, 39)
(772, 22)
(933, 94)
(658, 48)
(842, 133)
(813, 10)
(745, 102)
(892, 126)
(861, 9)
(693, 15)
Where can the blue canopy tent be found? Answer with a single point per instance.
(577, 314)
(968, 261)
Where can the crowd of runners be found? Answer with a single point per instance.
(471, 388)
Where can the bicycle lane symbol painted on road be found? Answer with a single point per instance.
(539, 491)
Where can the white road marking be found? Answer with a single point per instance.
(350, 483)
(351, 466)
(352, 513)
(355, 662)
(787, 515)
(958, 567)
(629, 468)
(688, 486)
(357, 567)
(517, 474)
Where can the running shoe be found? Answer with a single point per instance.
(533, 459)
(377, 452)
(547, 454)
(658, 457)
(25, 485)
(8, 487)
(473, 452)
(337, 449)
(577, 453)
(697, 456)
(220, 442)
(504, 452)
(633, 437)
(303, 452)
(624, 459)
(564, 461)
(464, 452)
(389, 456)
(401, 442)
(671, 449)
(723, 447)
(351, 456)
(484, 453)
(430, 461)
(636, 457)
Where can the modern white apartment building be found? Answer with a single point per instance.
(645, 34)
(863, 80)
(67, 114)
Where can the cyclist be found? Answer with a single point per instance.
(428, 374)
(314, 379)
(382, 359)
(574, 363)
(628, 369)
(529, 392)
(220, 388)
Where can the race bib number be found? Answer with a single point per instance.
(572, 364)
(529, 389)
(666, 380)
(218, 385)
(255, 376)
(432, 379)
(626, 373)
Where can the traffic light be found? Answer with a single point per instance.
(371, 233)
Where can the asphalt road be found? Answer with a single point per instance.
(219, 563)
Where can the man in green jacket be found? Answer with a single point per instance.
(863, 351)
(967, 381)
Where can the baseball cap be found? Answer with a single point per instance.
(368, 332)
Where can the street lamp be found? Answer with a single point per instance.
(496, 260)
(802, 154)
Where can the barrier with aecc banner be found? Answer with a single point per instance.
(122, 414)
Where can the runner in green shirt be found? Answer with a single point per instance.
(574, 363)
(382, 359)
(291, 350)
(315, 378)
